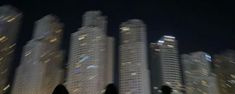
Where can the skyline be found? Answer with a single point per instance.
(175, 19)
(86, 59)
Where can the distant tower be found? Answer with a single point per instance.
(41, 70)
(197, 74)
(9, 25)
(225, 70)
(169, 63)
(155, 68)
(134, 74)
(88, 64)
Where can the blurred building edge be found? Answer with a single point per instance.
(198, 76)
(60, 89)
(10, 19)
(224, 67)
(40, 70)
(111, 89)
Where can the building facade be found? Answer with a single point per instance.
(134, 73)
(9, 24)
(88, 58)
(155, 68)
(225, 70)
(197, 74)
(40, 70)
(109, 66)
(169, 64)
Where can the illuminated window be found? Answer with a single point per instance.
(171, 40)
(11, 46)
(171, 46)
(83, 58)
(92, 77)
(58, 31)
(47, 60)
(11, 19)
(125, 28)
(157, 50)
(91, 67)
(171, 37)
(77, 65)
(83, 44)
(204, 83)
(53, 40)
(128, 62)
(27, 53)
(233, 76)
(133, 74)
(5, 88)
(81, 38)
(2, 38)
(155, 87)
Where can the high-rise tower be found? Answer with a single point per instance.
(87, 72)
(225, 70)
(169, 63)
(155, 68)
(41, 70)
(197, 74)
(9, 25)
(134, 74)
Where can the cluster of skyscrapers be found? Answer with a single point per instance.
(90, 68)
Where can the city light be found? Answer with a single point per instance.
(142, 47)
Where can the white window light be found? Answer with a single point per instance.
(5, 88)
(81, 38)
(233, 76)
(133, 74)
(91, 67)
(171, 46)
(160, 41)
(171, 40)
(27, 53)
(171, 37)
(125, 28)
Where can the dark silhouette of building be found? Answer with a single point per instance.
(166, 89)
(111, 89)
(60, 89)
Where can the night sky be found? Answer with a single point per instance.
(198, 25)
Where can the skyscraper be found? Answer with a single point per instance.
(134, 73)
(169, 63)
(87, 65)
(197, 74)
(41, 70)
(225, 70)
(155, 68)
(9, 25)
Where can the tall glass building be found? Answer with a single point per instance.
(169, 64)
(134, 73)
(41, 70)
(88, 64)
(197, 74)
(9, 25)
(225, 70)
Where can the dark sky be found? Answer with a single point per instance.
(198, 25)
